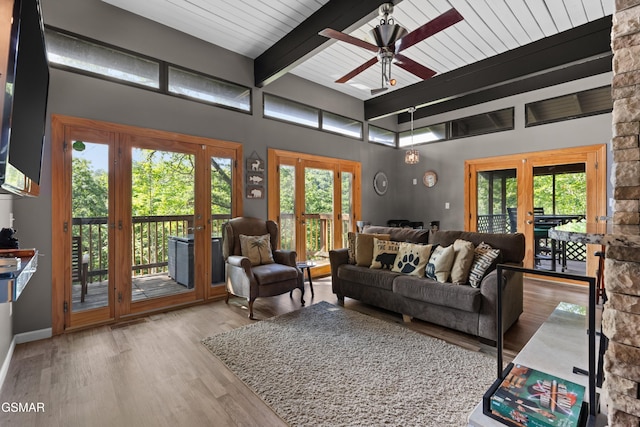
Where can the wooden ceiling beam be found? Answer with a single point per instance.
(549, 56)
(584, 69)
(303, 41)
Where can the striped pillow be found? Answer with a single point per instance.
(351, 247)
(484, 256)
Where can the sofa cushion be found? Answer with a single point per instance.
(401, 234)
(463, 298)
(412, 259)
(384, 253)
(364, 247)
(272, 273)
(439, 265)
(464, 252)
(382, 279)
(511, 245)
(484, 260)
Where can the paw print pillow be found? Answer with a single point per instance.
(412, 259)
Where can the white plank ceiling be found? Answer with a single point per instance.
(490, 27)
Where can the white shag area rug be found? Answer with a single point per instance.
(324, 365)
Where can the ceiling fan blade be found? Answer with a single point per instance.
(413, 67)
(357, 71)
(432, 27)
(333, 34)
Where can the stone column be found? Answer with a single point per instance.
(621, 315)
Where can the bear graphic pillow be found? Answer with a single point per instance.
(412, 259)
(384, 253)
(439, 266)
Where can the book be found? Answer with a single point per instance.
(531, 398)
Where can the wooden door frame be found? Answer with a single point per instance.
(61, 130)
(594, 158)
(277, 157)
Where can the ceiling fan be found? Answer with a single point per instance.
(390, 39)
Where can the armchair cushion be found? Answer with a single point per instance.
(257, 249)
(274, 273)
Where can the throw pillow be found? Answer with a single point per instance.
(364, 247)
(257, 249)
(351, 247)
(462, 262)
(439, 266)
(384, 253)
(412, 259)
(483, 257)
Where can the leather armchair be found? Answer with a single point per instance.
(253, 281)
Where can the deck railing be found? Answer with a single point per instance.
(319, 233)
(149, 238)
(499, 223)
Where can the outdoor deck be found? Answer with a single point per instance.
(143, 287)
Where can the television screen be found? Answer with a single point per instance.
(25, 99)
(31, 86)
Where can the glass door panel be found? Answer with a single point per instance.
(497, 201)
(90, 230)
(346, 218)
(162, 223)
(287, 211)
(221, 211)
(559, 197)
(318, 214)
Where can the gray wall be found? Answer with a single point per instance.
(447, 158)
(81, 96)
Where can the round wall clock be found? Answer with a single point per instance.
(430, 178)
(380, 183)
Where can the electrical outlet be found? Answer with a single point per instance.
(415, 181)
(446, 205)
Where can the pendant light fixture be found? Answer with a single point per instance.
(412, 156)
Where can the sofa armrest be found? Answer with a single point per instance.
(337, 257)
(281, 256)
(512, 302)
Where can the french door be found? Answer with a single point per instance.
(315, 201)
(506, 194)
(137, 219)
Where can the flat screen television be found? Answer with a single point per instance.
(25, 101)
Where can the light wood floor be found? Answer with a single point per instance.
(155, 372)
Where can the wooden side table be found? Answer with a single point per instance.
(306, 265)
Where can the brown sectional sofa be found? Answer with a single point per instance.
(460, 307)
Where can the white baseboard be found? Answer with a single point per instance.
(40, 334)
(7, 360)
(19, 339)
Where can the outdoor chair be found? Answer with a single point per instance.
(79, 266)
(249, 276)
(545, 247)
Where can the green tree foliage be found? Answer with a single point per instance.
(162, 183)
(318, 189)
(221, 185)
(90, 190)
(570, 193)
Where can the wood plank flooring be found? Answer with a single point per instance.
(155, 372)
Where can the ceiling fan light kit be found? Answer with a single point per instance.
(390, 39)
